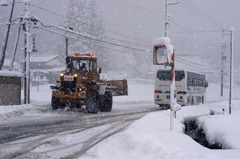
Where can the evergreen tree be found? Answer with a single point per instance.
(82, 16)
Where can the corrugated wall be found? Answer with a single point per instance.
(10, 90)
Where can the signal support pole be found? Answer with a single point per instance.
(172, 110)
(166, 16)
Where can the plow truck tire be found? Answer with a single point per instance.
(91, 102)
(55, 103)
(105, 102)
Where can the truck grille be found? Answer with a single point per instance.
(68, 86)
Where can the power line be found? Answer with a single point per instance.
(197, 31)
(61, 34)
(60, 15)
(100, 40)
(136, 7)
(197, 63)
(195, 66)
(200, 16)
(186, 62)
(204, 14)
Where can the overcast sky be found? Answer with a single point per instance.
(145, 19)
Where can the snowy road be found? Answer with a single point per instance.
(36, 131)
(62, 133)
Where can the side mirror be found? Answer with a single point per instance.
(99, 70)
(206, 84)
(160, 55)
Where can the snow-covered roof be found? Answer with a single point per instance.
(56, 69)
(7, 63)
(10, 73)
(44, 58)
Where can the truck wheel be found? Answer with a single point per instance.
(91, 102)
(61, 105)
(192, 102)
(55, 103)
(106, 102)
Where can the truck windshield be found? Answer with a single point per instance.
(84, 66)
(166, 75)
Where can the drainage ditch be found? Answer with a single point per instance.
(193, 130)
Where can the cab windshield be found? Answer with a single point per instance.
(82, 66)
(166, 75)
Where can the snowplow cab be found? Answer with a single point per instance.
(80, 84)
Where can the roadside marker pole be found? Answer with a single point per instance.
(172, 103)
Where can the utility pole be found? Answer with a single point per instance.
(6, 35)
(27, 52)
(166, 16)
(66, 54)
(67, 27)
(231, 70)
(15, 46)
(222, 47)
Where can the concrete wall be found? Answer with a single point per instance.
(10, 90)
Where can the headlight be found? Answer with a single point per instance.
(61, 74)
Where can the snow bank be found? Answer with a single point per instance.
(223, 128)
(7, 112)
(10, 73)
(150, 137)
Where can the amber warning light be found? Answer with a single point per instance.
(87, 54)
(77, 54)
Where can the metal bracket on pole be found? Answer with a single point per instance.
(166, 15)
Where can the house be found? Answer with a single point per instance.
(46, 68)
(46, 62)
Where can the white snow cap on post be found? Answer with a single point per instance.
(3, 2)
(167, 42)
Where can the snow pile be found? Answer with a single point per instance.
(10, 73)
(222, 128)
(150, 137)
(7, 112)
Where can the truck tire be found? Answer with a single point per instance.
(105, 102)
(91, 102)
(55, 103)
(192, 101)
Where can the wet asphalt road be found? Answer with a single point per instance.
(25, 136)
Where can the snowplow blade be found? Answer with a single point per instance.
(118, 87)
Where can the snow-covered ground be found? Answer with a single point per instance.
(150, 136)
